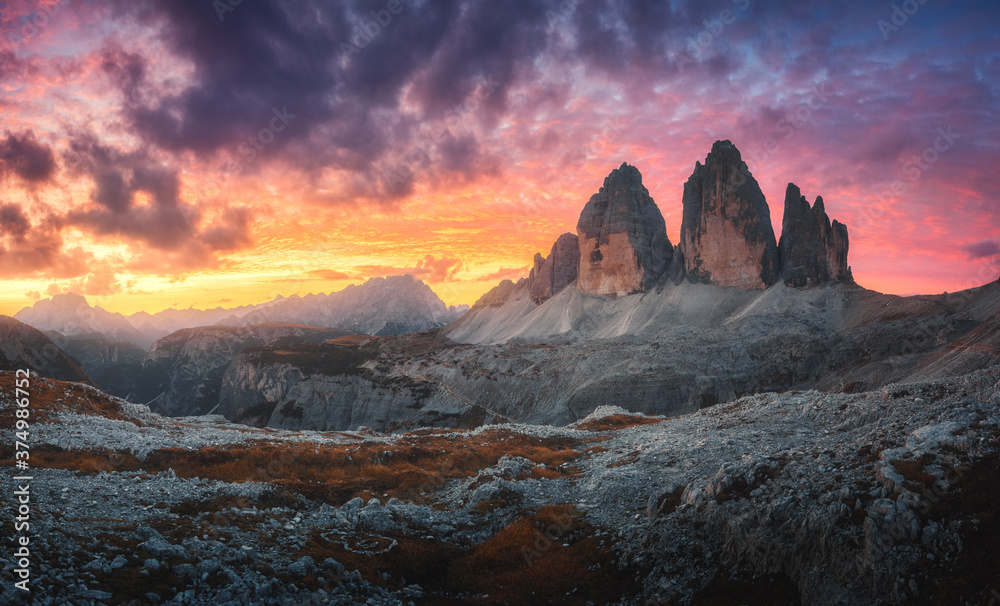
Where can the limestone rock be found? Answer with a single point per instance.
(622, 237)
(812, 250)
(726, 234)
(500, 294)
(551, 275)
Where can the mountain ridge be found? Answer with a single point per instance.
(413, 306)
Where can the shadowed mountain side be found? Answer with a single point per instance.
(182, 372)
(23, 347)
(112, 365)
(670, 351)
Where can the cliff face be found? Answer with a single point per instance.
(557, 271)
(726, 234)
(812, 250)
(182, 373)
(250, 390)
(622, 237)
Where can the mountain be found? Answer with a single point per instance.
(727, 313)
(112, 365)
(384, 306)
(167, 321)
(622, 237)
(726, 234)
(811, 250)
(24, 347)
(380, 306)
(182, 372)
(70, 315)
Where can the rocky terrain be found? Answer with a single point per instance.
(726, 313)
(182, 373)
(671, 351)
(873, 498)
(729, 421)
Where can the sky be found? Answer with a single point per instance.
(217, 152)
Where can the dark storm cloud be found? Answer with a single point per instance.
(165, 222)
(261, 56)
(986, 248)
(118, 177)
(346, 99)
(23, 155)
(364, 101)
(9, 64)
(14, 222)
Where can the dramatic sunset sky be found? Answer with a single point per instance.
(464, 136)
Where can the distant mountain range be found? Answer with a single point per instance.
(189, 350)
(380, 306)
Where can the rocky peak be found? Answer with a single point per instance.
(726, 234)
(551, 275)
(500, 294)
(69, 301)
(622, 237)
(812, 249)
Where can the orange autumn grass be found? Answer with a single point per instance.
(405, 468)
(621, 421)
(47, 398)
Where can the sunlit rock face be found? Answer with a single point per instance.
(622, 237)
(726, 234)
(812, 249)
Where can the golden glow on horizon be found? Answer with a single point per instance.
(475, 238)
(459, 232)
